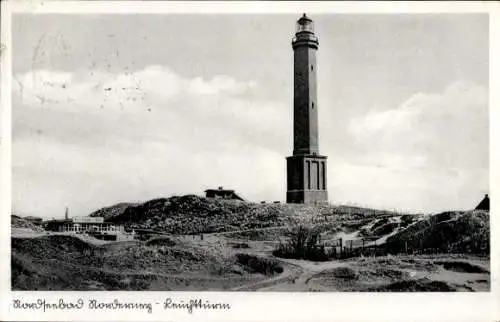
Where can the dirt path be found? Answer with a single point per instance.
(290, 273)
(296, 273)
(301, 282)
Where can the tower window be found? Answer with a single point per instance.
(313, 105)
(308, 174)
(312, 67)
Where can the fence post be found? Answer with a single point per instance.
(341, 246)
(406, 247)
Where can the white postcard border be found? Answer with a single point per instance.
(256, 306)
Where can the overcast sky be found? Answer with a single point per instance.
(115, 108)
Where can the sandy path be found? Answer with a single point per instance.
(308, 270)
(296, 273)
(290, 272)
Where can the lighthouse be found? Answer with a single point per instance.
(306, 168)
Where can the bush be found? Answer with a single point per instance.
(462, 267)
(406, 220)
(304, 243)
(345, 273)
(261, 265)
(160, 241)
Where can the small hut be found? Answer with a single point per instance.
(222, 193)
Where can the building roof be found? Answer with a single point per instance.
(87, 219)
(59, 221)
(484, 204)
(223, 192)
(220, 190)
(304, 19)
(82, 219)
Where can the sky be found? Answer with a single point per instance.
(125, 108)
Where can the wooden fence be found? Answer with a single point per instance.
(340, 248)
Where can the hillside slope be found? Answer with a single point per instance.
(192, 214)
(447, 232)
(180, 261)
(113, 211)
(68, 263)
(20, 222)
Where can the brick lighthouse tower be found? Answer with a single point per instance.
(306, 168)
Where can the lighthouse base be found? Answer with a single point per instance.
(306, 179)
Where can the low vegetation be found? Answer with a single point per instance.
(449, 232)
(245, 235)
(68, 263)
(20, 222)
(462, 267)
(255, 264)
(304, 243)
(241, 245)
(420, 285)
(192, 214)
(161, 241)
(423, 273)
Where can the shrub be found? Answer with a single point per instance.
(407, 219)
(160, 241)
(462, 267)
(261, 265)
(304, 243)
(345, 273)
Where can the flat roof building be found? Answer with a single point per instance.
(95, 226)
